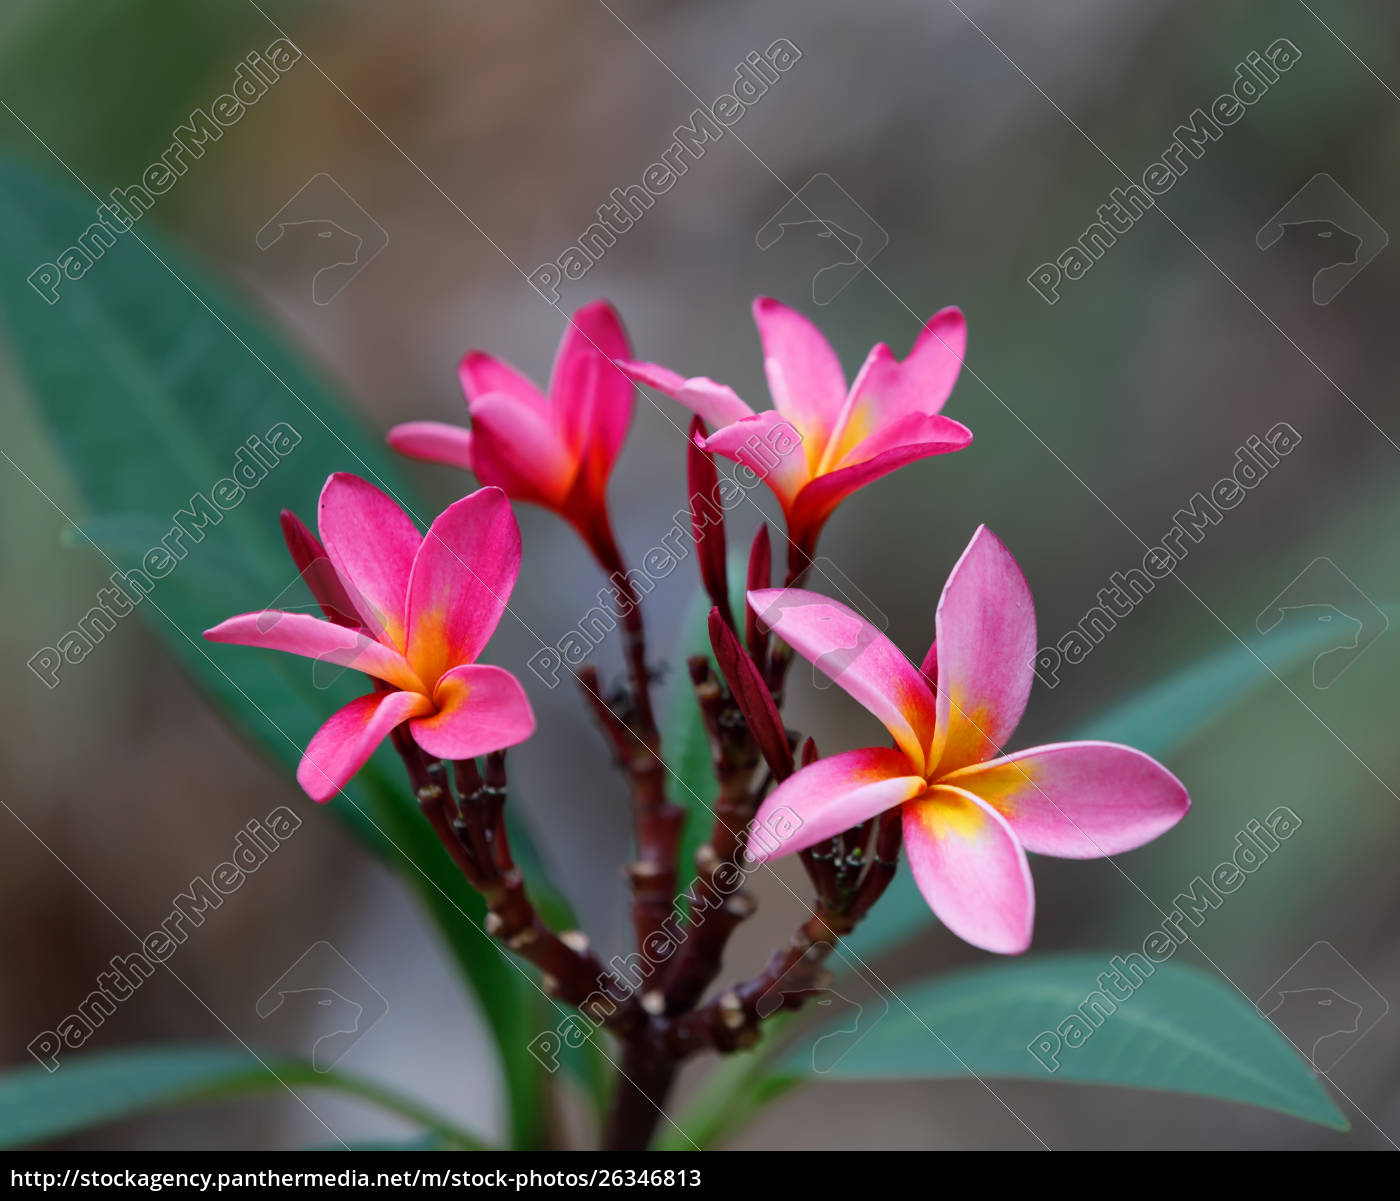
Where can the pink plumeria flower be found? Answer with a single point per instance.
(426, 607)
(555, 450)
(887, 418)
(970, 814)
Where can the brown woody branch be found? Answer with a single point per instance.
(472, 829)
(718, 903)
(657, 822)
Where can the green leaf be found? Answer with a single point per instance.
(1166, 716)
(152, 382)
(1161, 720)
(1181, 1030)
(37, 1105)
(684, 742)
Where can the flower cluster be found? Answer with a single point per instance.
(414, 612)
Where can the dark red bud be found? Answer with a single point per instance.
(707, 520)
(760, 576)
(315, 568)
(752, 696)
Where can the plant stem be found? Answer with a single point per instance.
(718, 905)
(640, 1102)
(472, 831)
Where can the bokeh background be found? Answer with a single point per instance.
(481, 137)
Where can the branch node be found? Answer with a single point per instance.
(731, 1011)
(523, 938)
(740, 906)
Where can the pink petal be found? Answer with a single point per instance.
(591, 398)
(769, 445)
(482, 374)
(1079, 800)
(831, 795)
(923, 381)
(303, 634)
(970, 868)
(804, 374)
(517, 448)
(372, 542)
(886, 390)
(913, 436)
(479, 709)
(340, 747)
(916, 436)
(461, 580)
(433, 442)
(317, 570)
(718, 404)
(986, 640)
(859, 658)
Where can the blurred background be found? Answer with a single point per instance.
(970, 146)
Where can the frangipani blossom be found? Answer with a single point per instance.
(411, 611)
(555, 450)
(970, 814)
(887, 418)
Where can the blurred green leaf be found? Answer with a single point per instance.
(684, 742)
(1182, 1030)
(37, 1105)
(150, 380)
(1167, 715)
(175, 56)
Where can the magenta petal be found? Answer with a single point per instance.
(303, 634)
(482, 374)
(985, 631)
(517, 448)
(859, 658)
(340, 747)
(804, 374)
(831, 795)
(770, 446)
(718, 404)
(461, 580)
(591, 398)
(971, 869)
(372, 542)
(922, 382)
(1079, 800)
(433, 442)
(480, 709)
(914, 437)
